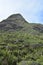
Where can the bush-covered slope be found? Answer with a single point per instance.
(21, 43)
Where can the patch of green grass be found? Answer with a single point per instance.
(16, 47)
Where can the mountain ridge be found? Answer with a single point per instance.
(21, 43)
(16, 22)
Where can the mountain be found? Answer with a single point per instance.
(13, 22)
(16, 22)
(21, 42)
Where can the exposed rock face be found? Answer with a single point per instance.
(15, 17)
(12, 23)
(38, 27)
(16, 22)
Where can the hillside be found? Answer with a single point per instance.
(21, 43)
(17, 22)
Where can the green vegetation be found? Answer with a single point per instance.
(18, 48)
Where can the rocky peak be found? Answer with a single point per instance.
(15, 17)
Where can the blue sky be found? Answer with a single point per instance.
(32, 10)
